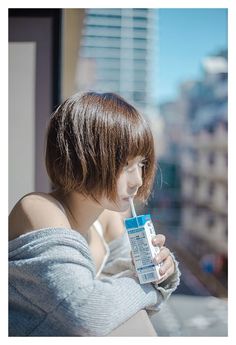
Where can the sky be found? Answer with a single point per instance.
(185, 37)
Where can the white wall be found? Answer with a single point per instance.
(22, 60)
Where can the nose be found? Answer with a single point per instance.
(135, 179)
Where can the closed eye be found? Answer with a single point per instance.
(140, 164)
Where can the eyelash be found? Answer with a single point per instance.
(140, 164)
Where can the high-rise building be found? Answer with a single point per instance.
(118, 53)
(204, 167)
(196, 144)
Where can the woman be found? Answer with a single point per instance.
(99, 153)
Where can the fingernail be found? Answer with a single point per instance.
(156, 260)
(161, 271)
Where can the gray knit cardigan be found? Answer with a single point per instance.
(54, 291)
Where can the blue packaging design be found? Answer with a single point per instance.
(140, 230)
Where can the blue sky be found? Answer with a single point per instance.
(185, 37)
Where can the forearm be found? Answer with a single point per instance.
(106, 305)
(125, 267)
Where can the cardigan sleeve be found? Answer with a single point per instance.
(57, 276)
(120, 264)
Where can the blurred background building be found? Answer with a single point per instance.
(117, 53)
(191, 207)
(56, 52)
(196, 160)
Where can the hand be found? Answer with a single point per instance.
(163, 257)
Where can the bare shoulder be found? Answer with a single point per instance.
(112, 223)
(35, 211)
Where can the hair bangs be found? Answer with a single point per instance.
(140, 142)
(136, 139)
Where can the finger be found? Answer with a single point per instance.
(162, 255)
(167, 265)
(162, 279)
(169, 272)
(159, 240)
(166, 275)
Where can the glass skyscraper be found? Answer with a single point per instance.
(117, 53)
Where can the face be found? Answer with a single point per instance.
(128, 183)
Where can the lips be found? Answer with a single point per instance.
(127, 197)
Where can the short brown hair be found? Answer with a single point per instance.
(90, 138)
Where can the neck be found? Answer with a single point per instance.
(81, 211)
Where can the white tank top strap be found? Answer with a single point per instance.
(98, 227)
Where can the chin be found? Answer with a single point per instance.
(118, 207)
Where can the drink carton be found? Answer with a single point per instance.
(141, 231)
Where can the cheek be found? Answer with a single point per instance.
(121, 184)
